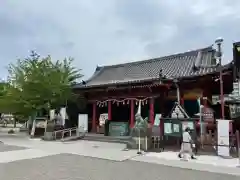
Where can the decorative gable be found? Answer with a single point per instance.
(178, 111)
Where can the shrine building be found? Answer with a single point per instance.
(188, 78)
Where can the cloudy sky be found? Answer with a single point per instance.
(103, 32)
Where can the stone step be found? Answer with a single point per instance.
(102, 138)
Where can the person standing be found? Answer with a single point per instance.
(186, 146)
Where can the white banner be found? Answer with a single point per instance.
(52, 114)
(223, 137)
(63, 115)
(83, 122)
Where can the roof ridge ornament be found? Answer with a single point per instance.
(98, 68)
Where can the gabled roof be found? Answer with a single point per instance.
(182, 65)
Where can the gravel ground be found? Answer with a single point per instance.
(75, 167)
(4, 148)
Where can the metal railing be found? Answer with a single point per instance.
(65, 133)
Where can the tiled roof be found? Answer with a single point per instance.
(181, 65)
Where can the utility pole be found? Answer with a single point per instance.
(219, 57)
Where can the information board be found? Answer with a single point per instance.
(118, 128)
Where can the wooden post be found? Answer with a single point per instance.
(132, 114)
(94, 118)
(109, 110)
(151, 111)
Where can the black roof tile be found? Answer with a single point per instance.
(183, 65)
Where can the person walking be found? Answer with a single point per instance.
(186, 146)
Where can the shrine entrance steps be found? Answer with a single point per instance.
(111, 139)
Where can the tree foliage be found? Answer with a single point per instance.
(37, 83)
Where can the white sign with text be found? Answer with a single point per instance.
(223, 137)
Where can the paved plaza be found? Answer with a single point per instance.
(25, 159)
(76, 167)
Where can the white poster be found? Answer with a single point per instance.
(102, 118)
(167, 128)
(63, 115)
(188, 124)
(223, 137)
(83, 122)
(52, 114)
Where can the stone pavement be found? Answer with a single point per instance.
(75, 167)
(202, 159)
(110, 151)
(27, 151)
(203, 163)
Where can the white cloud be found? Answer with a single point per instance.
(114, 31)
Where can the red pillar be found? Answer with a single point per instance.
(151, 113)
(161, 125)
(132, 114)
(109, 110)
(182, 100)
(94, 118)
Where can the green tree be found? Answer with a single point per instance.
(37, 83)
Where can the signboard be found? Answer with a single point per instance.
(102, 118)
(118, 128)
(208, 115)
(234, 111)
(167, 128)
(83, 122)
(223, 137)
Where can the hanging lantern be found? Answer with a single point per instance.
(146, 101)
(105, 103)
(137, 102)
(127, 101)
(123, 102)
(117, 103)
(142, 102)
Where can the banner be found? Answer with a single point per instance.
(83, 122)
(63, 115)
(223, 137)
(52, 114)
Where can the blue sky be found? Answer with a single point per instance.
(103, 32)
